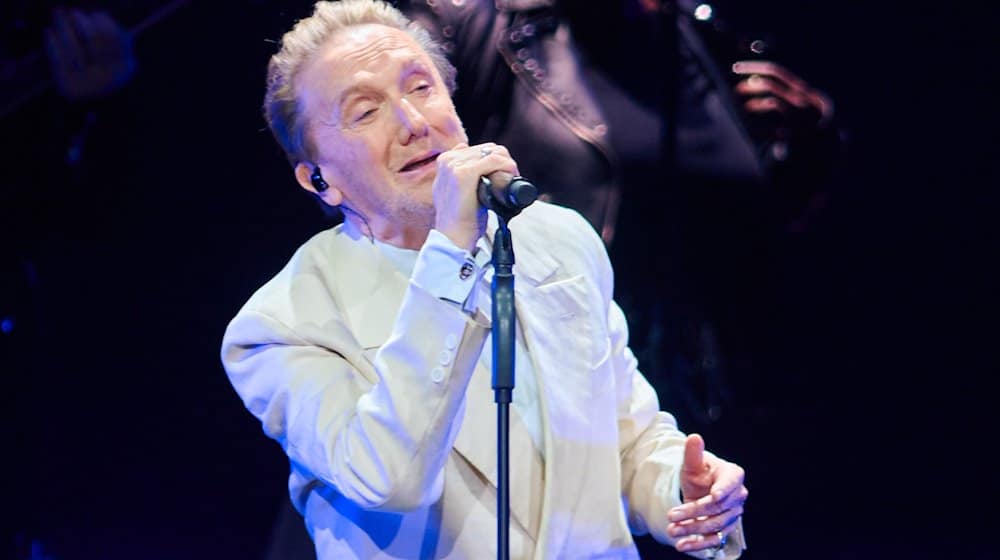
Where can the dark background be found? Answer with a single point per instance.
(123, 263)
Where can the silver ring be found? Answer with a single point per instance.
(722, 543)
(483, 152)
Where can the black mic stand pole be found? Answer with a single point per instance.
(503, 373)
(518, 194)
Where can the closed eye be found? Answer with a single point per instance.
(365, 115)
(422, 88)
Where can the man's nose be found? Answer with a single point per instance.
(412, 122)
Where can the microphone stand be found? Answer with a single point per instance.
(503, 372)
(506, 204)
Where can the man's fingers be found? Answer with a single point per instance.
(726, 500)
(727, 488)
(695, 476)
(705, 525)
(720, 493)
(726, 491)
(694, 455)
(731, 495)
(482, 158)
(704, 534)
(698, 542)
(494, 166)
(705, 506)
(710, 517)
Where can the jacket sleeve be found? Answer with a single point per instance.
(651, 446)
(652, 451)
(378, 431)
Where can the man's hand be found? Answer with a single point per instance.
(787, 105)
(713, 494)
(459, 216)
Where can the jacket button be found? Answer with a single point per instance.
(451, 342)
(437, 375)
(444, 358)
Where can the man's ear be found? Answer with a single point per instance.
(304, 175)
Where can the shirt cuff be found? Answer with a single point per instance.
(449, 272)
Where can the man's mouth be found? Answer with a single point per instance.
(420, 163)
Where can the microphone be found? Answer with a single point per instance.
(502, 192)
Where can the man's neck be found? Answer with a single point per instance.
(390, 234)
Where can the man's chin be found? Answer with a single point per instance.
(417, 213)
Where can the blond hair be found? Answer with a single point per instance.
(282, 109)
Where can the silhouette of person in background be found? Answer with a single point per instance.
(626, 109)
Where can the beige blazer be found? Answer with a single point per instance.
(372, 387)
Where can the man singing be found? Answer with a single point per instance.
(364, 357)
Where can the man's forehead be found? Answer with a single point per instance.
(354, 54)
(353, 57)
(361, 45)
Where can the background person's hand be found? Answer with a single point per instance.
(786, 106)
(89, 53)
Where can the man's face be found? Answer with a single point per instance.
(378, 114)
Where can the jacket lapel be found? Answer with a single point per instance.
(477, 443)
